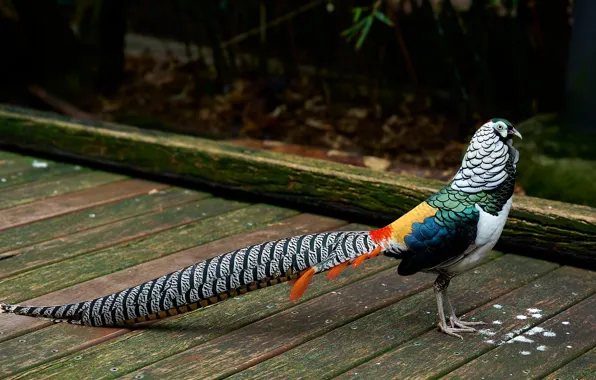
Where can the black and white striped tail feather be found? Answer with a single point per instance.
(211, 281)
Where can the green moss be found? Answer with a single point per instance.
(556, 164)
(564, 179)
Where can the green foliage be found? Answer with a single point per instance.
(362, 26)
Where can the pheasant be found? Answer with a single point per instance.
(446, 234)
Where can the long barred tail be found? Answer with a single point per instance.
(217, 279)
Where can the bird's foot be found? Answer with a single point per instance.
(456, 322)
(454, 330)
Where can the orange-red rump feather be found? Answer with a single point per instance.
(336, 270)
(301, 284)
(358, 260)
(381, 235)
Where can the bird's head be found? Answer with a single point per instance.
(503, 128)
(490, 159)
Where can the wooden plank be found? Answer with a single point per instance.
(38, 231)
(565, 336)
(389, 327)
(267, 338)
(27, 176)
(67, 338)
(101, 237)
(432, 354)
(536, 226)
(80, 267)
(13, 163)
(19, 195)
(79, 200)
(583, 368)
(118, 258)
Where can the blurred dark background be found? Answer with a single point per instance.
(400, 84)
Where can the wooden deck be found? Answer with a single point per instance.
(69, 233)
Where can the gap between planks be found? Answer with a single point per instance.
(521, 362)
(105, 236)
(75, 201)
(78, 221)
(582, 367)
(432, 355)
(47, 189)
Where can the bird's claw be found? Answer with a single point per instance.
(453, 330)
(456, 322)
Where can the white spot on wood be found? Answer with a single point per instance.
(525, 352)
(497, 306)
(532, 310)
(39, 164)
(535, 330)
(541, 348)
(536, 316)
(521, 317)
(487, 332)
(153, 191)
(569, 347)
(521, 339)
(497, 322)
(549, 334)
(565, 323)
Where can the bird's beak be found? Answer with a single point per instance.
(514, 131)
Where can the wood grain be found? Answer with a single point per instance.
(582, 368)
(77, 221)
(375, 334)
(569, 341)
(12, 163)
(94, 239)
(433, 355)
(79, 200)
(22, 177)
(272, 336)
(18, 195)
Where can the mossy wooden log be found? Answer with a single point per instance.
(548, 229)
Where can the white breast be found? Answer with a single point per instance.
(490, 226)
(488, 233)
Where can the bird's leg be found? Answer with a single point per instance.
(441, 284)
(454, 321)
